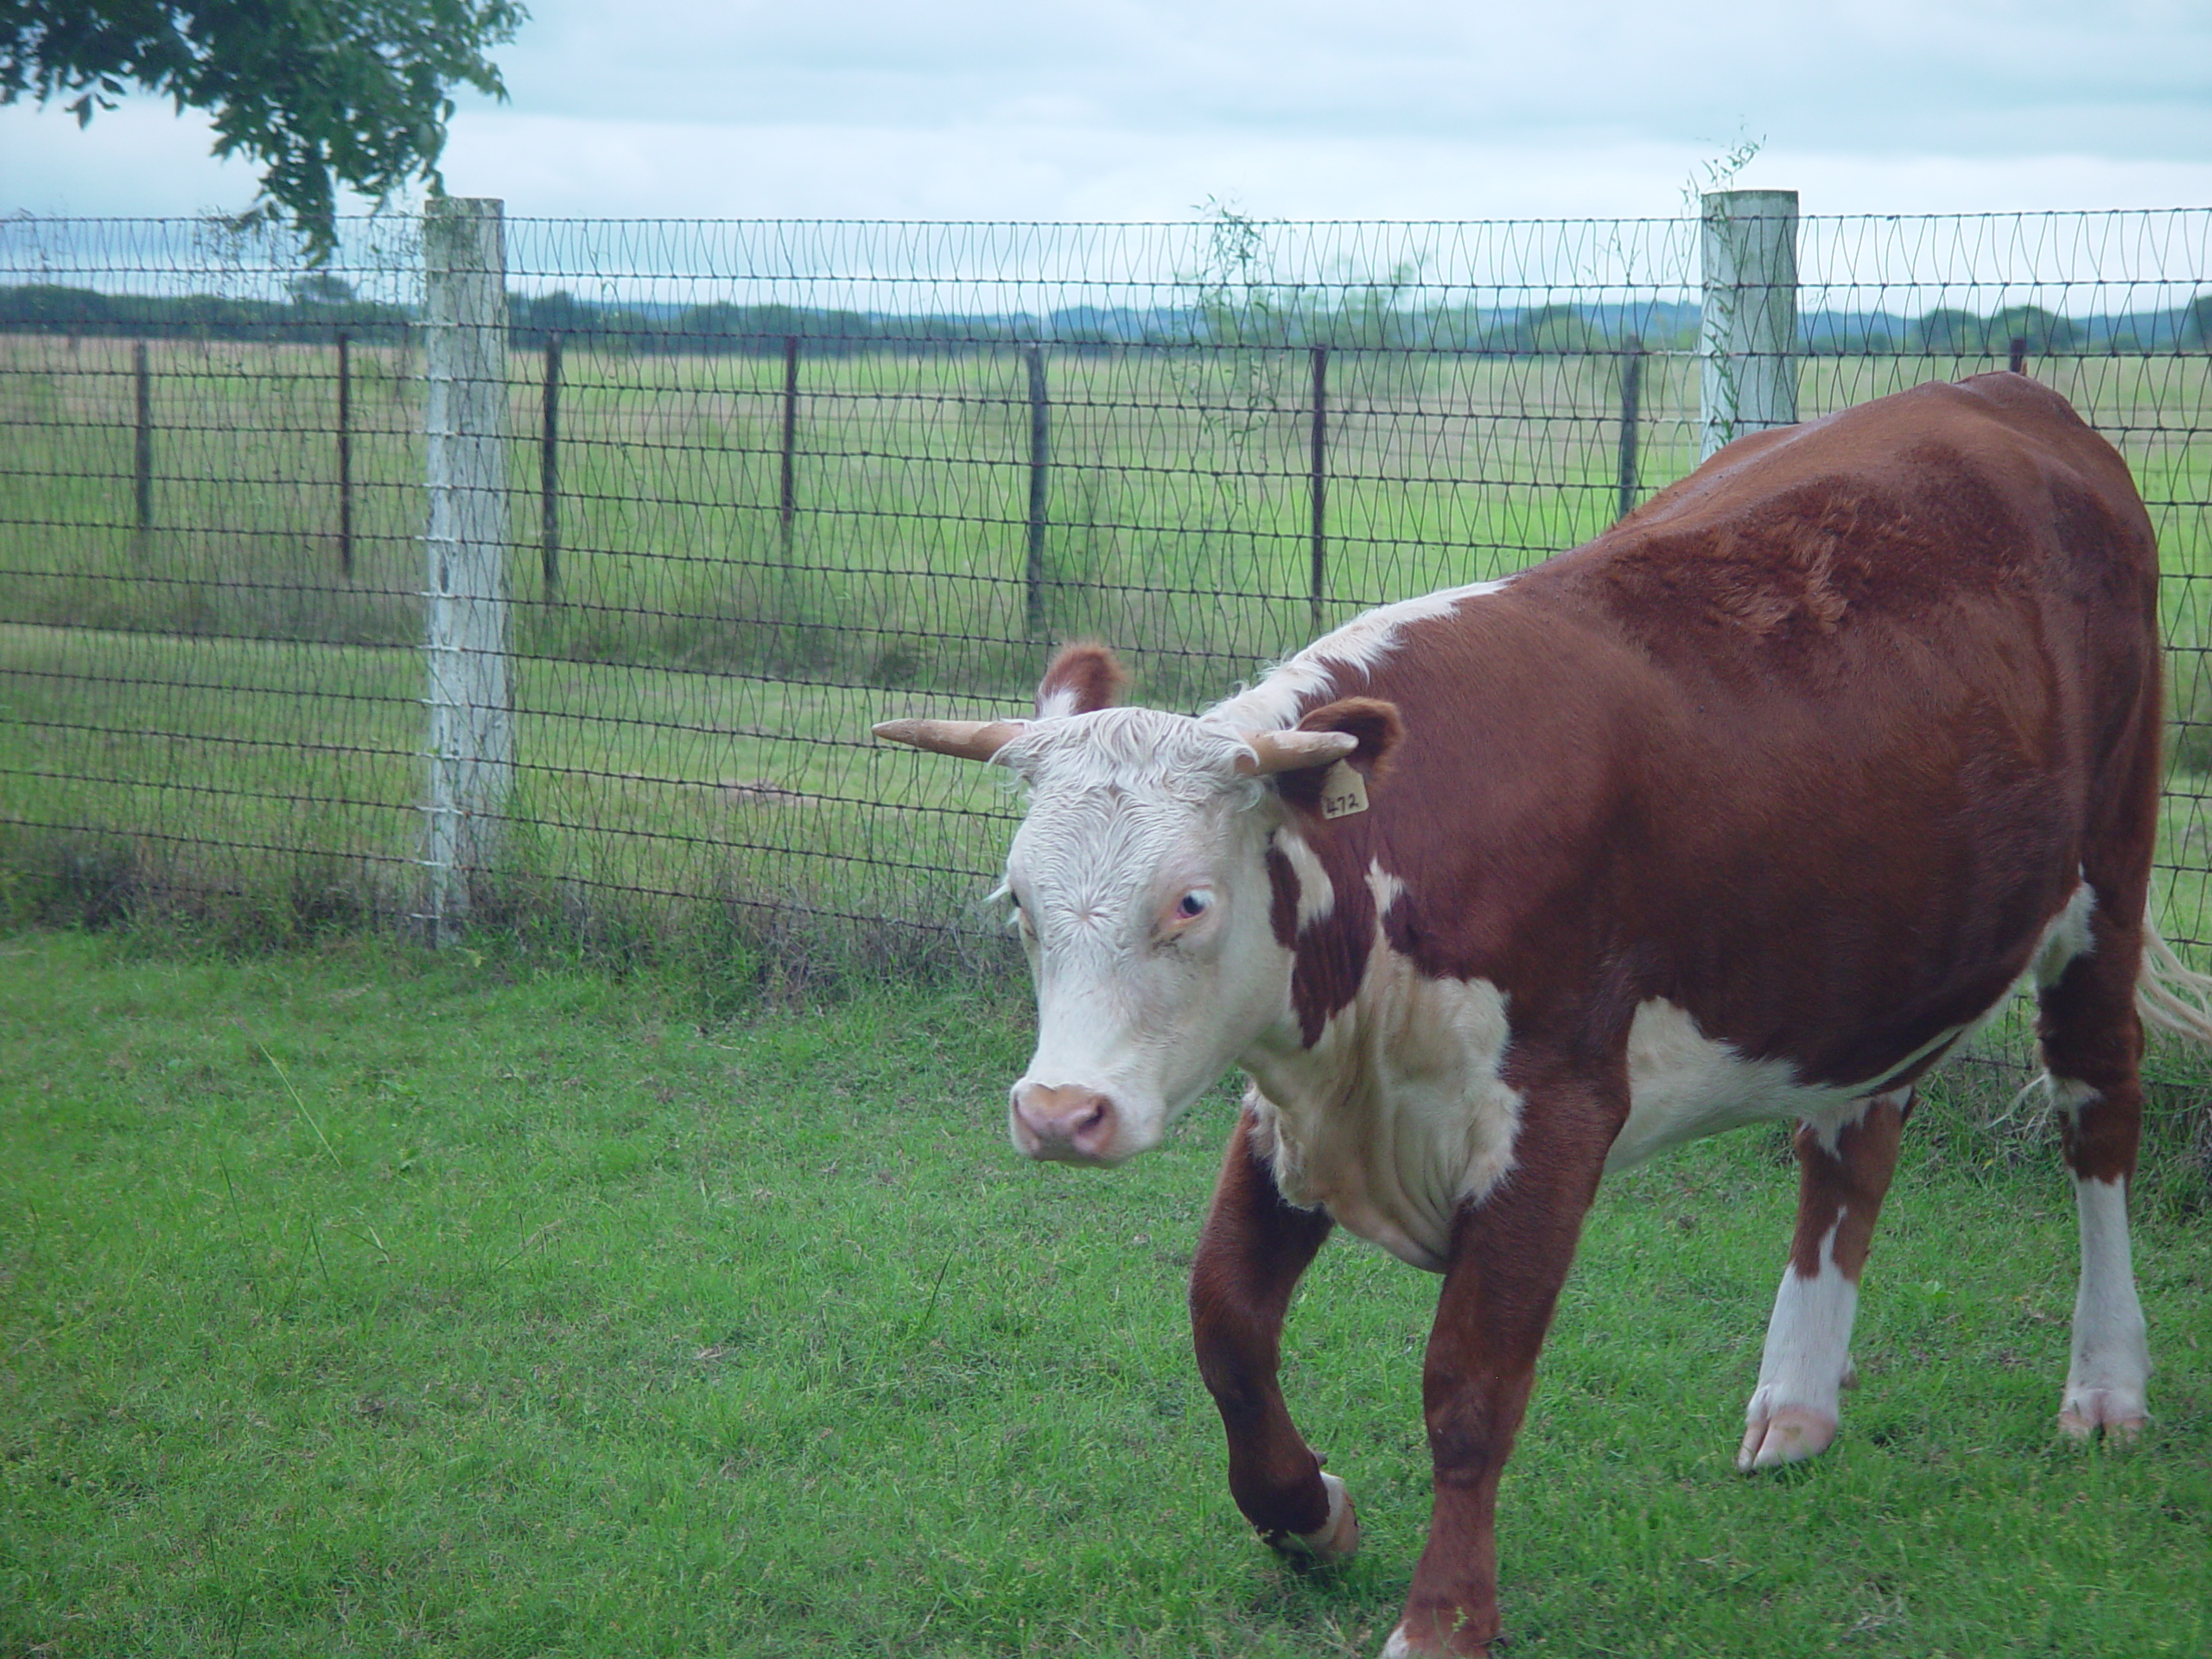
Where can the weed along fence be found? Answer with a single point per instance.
(550, 573)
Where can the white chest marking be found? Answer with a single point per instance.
(1398, 1115)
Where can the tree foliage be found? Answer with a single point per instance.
(318, 92)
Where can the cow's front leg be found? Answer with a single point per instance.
(1251, 1255)
(1843, 1167)
(1510, 1256)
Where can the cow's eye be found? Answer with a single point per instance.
(1193, 904)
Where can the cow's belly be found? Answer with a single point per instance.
(1682, 1086)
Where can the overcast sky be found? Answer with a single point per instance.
(1130, 109)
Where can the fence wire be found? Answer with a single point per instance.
(770, 481)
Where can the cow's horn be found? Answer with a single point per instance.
(971, 739)
(1294, 751)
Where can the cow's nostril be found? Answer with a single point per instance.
(1052, 1121)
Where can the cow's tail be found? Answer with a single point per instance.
(2169, 993)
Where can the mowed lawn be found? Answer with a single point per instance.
(360, 1302)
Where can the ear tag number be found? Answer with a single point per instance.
(1344, 792)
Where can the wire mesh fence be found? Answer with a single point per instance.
(766, 482)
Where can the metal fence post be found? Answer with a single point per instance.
(345, 454)
(1318, 467)
(471, 708)
(787, 502)
(1041, 462)
(548, 472)
(1631, 402)
(1747, 331)
(142, 457)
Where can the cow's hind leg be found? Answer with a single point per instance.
(2093, 1050)
(1251, 1255)
(1844, 1167)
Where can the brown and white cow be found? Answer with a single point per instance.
(1751, 809)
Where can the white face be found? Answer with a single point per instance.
(1140, 891)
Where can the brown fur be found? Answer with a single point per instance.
(1844, 1189)
(1087, 670)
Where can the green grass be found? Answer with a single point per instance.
(361, 1302)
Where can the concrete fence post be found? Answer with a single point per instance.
(1747, 333)
(471, 706)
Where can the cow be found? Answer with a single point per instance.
(1751, 809)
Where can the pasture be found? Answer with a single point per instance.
(214, 708)
(359, 1300)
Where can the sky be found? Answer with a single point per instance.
(1136, 110)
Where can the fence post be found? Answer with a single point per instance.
(1040, 461)
(548, 472)
(788, 502)
(1747, 331)
(1318, 585)
(141, 460)
(2020, 357)
(471, 708)
(345, 454)
(1632, 402)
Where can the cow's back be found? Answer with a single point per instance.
(1813, 744)
(1915, 521)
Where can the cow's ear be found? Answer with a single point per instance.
(1373, 721)
(1082, 678)
(1335, 793)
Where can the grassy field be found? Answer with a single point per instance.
(265, 759)
(1179, 500)
(214, 710)
(364, 1302)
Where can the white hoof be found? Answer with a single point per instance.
(1779, 1435)
(2119, 1413)
(1337, 1539)
(1399, 1646)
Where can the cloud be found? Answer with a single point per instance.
(140, 159)
(1130, 108)
(1868, 76)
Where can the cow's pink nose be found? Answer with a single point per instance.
(1062, 1122)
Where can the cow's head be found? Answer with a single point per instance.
(1138, 885)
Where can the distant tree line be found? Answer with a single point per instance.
(321, 306)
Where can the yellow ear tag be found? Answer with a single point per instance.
(1344, 792)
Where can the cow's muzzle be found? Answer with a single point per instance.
(1066, 1123)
